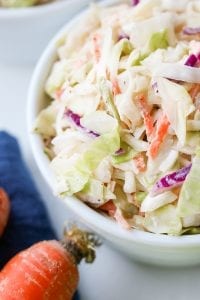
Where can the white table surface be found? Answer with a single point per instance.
(112, 276)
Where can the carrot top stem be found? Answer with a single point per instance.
(80, 244)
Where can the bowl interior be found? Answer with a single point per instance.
(36, 101)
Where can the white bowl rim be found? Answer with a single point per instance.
(94, 219)
(34, 11)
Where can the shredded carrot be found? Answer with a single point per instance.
(115, 87)
(194, 91)
(121, 220)
(142, 214)
(145, 111)
(160, 134)
(140, 162)
(97, 52)
(58, 93)
(109, 207)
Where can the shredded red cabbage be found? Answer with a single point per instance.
(191, 61)
(75, 118)
(191, 30)
(135, 2)
(120, 151)
(123, 36)
(155, 87)
(171, 180)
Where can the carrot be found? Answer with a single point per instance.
(121, 220)
(194, 91)
(109, 207)
(97, 52)
(140, 162)
(4, 210)
(160, 134)
(145, 111)
(47, 270)
(112, 211)
(115, 87)
(142, 214)
(59, 93)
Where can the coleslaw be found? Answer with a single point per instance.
(122, 128)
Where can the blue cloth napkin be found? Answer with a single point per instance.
(28, 222)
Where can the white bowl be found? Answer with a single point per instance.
(24, 32)
(143, 246)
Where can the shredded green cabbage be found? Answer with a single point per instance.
(77, 176)
(189, 201)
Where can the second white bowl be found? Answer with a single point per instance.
(24, 32)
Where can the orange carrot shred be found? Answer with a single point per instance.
(97, 52)
(160, 134)
(142, 214)
(194, 91)
(140, 162)
(145, 111)
(115, 87)
(121, 220)
(58, 93)
(109, 207)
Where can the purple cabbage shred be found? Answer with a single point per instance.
(75, 119)
(123, 36)
(191, 61)
(191, 30)
(171, 180)
(155, 87)
(120, 151)
(135, 2)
